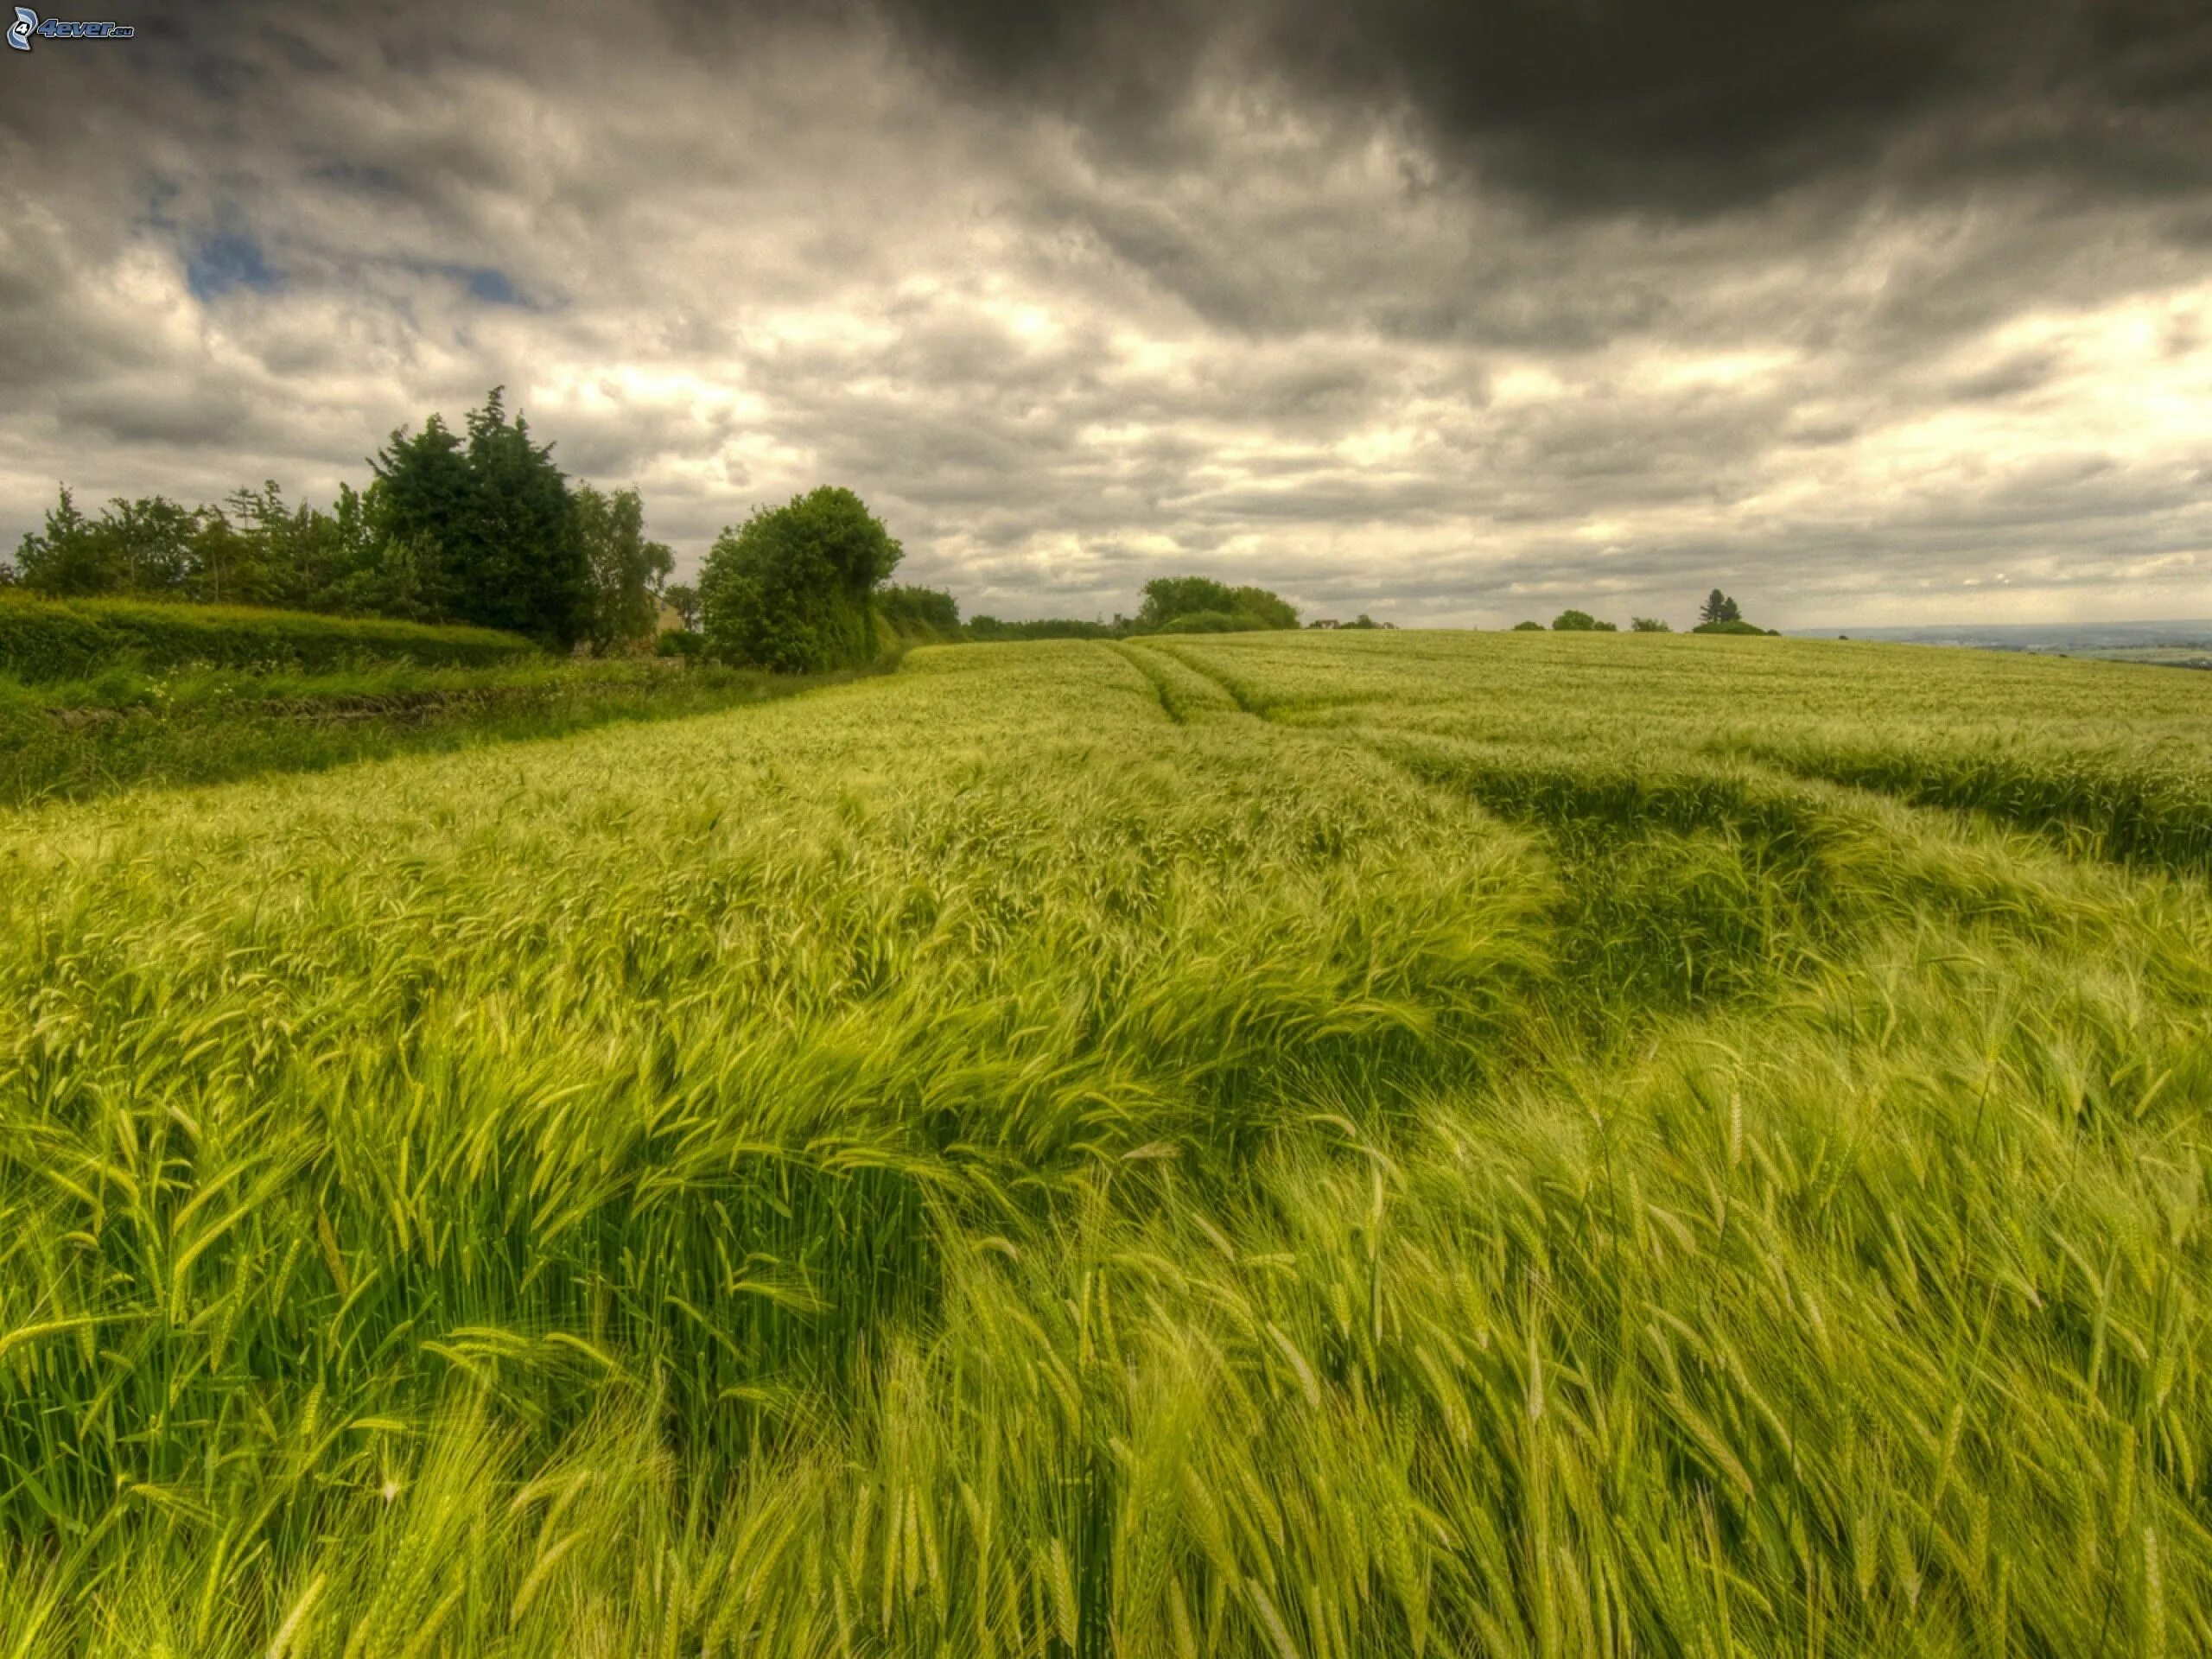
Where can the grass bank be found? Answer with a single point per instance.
(57, 639)
(122, 727)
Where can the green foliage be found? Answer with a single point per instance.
(260, 550)
(255, 550)
(1170, 601)
(1649, 625)
(1731, 627)
(1247, 1145)
(1528, 627)
(142, 546)
(627, 569)
(480, 529)
(1211, 622)
(1581, 622)
(681, 642)
(922, 615)
(423, 495)
(1168, 597)
(1264, 608)
(45, 640)
(792, 588)
(490, 516)
(1719, 607)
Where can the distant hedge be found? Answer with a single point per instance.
(1213, 622)
(59, 639)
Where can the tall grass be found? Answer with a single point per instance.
(1264, 1146)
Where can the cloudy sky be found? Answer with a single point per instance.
(1867, 310)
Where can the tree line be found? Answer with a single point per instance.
(479, 525)
(1171, 604)
(1718, 614)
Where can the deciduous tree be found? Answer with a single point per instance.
(792, 588)
(627, 569)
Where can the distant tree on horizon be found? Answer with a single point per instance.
(1271, 608)
(1199, 604)
(1719, 607)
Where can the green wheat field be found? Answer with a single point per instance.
(1296, 1146)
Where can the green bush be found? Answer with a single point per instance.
(681, 642)
(1528, 627)
(793, 589)
(1213, 622)
(1168, 600)
(923, 616)
(57, 639)
(1581, 622)
(1269, 610)
(1733, 627)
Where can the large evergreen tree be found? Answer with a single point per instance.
(418, 502)
(489, 524)
(1719, 607)
(522, 566)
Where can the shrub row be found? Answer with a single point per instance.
(51, 639)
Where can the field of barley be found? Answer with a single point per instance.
(1286, 1145)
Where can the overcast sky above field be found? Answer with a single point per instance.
(1448, 312)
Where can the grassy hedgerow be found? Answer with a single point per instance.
(123, 729)
(63, 639)
(1273, 1145)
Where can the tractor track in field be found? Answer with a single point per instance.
(1228, 687)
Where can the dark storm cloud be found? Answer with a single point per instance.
(1865, 310)
(1676, 104)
